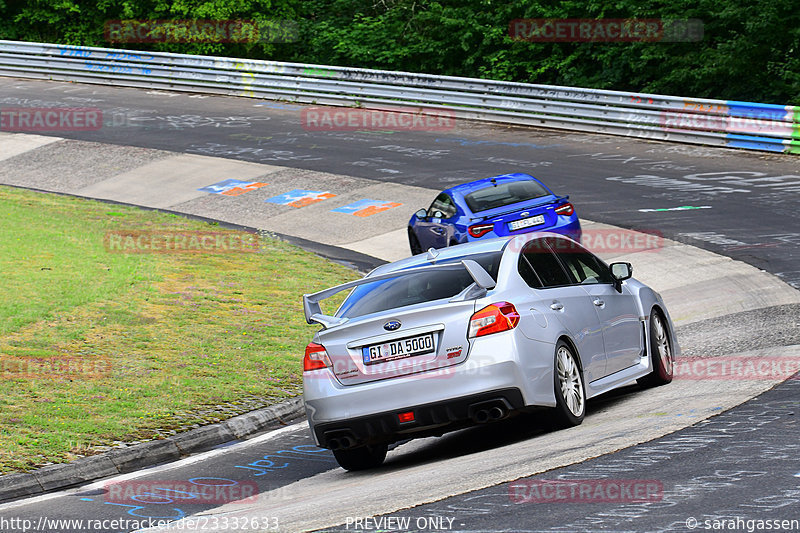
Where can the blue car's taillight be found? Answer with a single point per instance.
(566, 210)
(479, 230)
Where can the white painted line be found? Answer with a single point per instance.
(681, 208)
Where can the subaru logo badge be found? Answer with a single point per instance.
(392, 325)
(524, 214)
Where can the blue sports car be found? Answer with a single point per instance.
(502, 206)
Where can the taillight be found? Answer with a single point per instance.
(500, 316)
(316, 357)
(567, 209)
(479, 230)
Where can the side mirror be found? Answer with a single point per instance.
(620, 272)
(421, 214)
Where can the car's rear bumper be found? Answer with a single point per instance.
(493, 365)
(429, 419)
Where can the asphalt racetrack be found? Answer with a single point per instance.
(705, 447)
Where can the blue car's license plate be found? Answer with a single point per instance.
(526, 222)
(387, 351)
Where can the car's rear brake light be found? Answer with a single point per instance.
(566, 210)
(500, 316)
(479, 230)
(403, 418)
(316, 357)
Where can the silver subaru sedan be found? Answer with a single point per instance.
(475, 333)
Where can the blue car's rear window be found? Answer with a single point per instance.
(504, 194)
(415, 288)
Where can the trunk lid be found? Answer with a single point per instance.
(532, 215)
(430, 336)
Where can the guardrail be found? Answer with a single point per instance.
(731, 124)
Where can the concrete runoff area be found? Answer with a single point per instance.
(19, 143)
(697, 285)
(172, 180)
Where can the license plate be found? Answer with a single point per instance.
(399, 349)
(526, 222)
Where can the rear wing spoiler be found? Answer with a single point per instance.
(504, 213)
(313, 311)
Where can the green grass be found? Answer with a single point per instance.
(154, 341)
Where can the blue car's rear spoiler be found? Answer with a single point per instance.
(313, 311)
(557, 199)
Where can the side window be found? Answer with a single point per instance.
(584, 267)
(540, 268)
(444, 204)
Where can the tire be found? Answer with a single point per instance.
(568, 388)
(413, 243)
(660, 353)
(361, 457)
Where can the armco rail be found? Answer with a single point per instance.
(732, 124)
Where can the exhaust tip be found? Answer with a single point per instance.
(481, 416)
(497, 413)
(341, 441)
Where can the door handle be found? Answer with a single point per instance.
(598, 302)
(556, 306)
(438, 231)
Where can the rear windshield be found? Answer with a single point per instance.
(415, 288)
(504, 194)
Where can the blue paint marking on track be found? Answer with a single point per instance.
(300, 198)
(365, 207)
(222, 186)
(226, 185)
(356, 206)
(306, 452)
